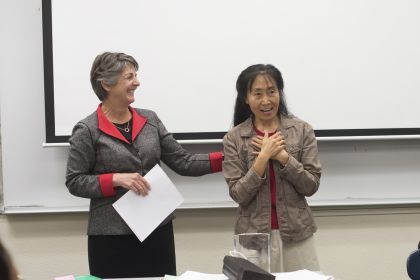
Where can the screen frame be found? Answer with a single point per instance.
(51, 136)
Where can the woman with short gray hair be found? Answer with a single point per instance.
(110, 152)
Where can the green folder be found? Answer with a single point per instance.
(87, 277)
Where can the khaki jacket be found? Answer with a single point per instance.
(299, 178)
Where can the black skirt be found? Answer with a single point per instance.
(124, 256)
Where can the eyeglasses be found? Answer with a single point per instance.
(258, 93)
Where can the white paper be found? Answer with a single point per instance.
(192, 275)
(302, 275)
(144, 213)
(170, 277)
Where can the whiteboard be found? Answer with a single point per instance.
(354, 172)
(350, 67)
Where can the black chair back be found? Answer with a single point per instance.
(413, 264)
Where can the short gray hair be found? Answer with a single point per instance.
(107, 67)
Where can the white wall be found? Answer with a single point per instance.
(354, 172)
(352, 244)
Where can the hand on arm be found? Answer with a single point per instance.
(131, 181)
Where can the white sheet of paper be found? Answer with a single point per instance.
(144, 213)
(302, 275)
(193, 275)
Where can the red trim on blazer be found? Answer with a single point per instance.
(216, 161)
(138, 123)
(105, 181)
(107, 127)
(104, 125)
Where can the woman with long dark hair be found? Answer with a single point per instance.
(271, 164)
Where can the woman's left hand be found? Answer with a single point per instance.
(132, 181)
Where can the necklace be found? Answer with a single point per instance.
(126, 129)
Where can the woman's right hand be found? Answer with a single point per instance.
(132, 181)
(269, 146)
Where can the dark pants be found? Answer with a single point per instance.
(124, 256)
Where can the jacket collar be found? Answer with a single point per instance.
(108, 128)
(246, 128)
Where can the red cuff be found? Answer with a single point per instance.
(105, 182)
(216, 161)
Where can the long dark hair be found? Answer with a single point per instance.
(244, 84)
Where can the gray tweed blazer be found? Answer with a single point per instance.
(93, 152)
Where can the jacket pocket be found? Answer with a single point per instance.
(292, 197)
(294, 150)
(305, 216)
(299, 218)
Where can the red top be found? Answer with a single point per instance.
(105, 180)
(274, 221)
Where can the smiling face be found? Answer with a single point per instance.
(122, 93)
(263, 99)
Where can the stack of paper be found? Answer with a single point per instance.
(295, 275)
(170, 277)
(192, 275)
(302, 275)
